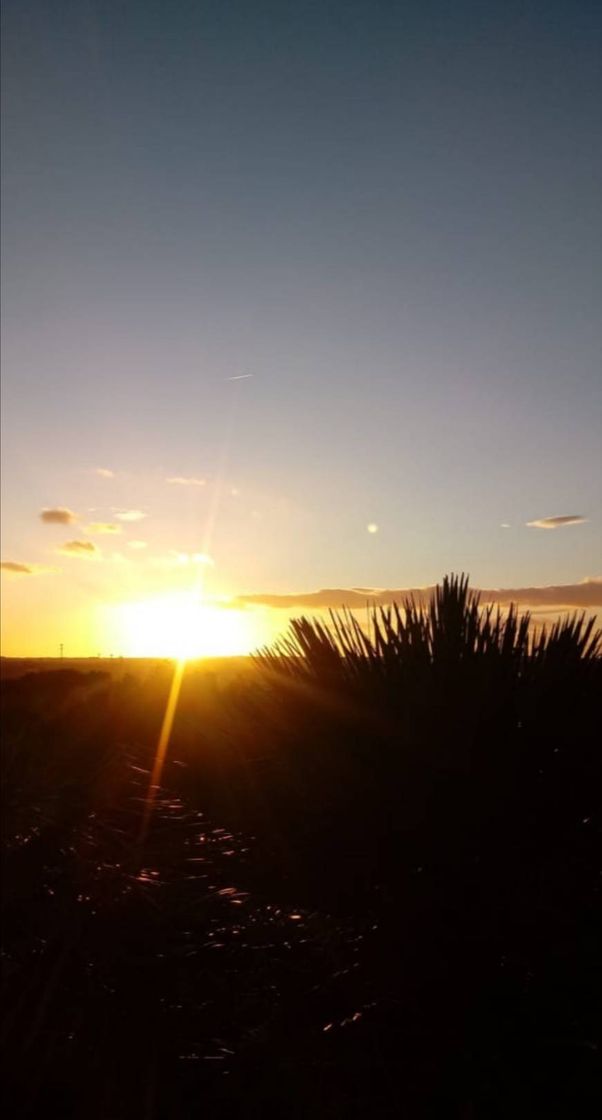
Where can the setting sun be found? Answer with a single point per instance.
(185, 626)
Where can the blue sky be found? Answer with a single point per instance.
(388, 214)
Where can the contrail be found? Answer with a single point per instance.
(239, 377)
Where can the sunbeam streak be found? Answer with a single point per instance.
(162, 746)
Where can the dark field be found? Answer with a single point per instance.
(370, 883)
(140, 667)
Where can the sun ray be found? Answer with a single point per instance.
(162, 747)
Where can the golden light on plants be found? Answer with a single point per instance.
(186, 625)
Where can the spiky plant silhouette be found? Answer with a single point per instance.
(412, 637)
(466, 685)
(452, 723)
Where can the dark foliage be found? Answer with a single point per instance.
(370, 886)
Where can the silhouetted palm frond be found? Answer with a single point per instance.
(408, 638)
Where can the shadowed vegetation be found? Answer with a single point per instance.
(371, 884)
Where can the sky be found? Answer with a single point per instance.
(309, 290)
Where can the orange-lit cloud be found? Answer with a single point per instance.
(18, 569)
(97, 528)
(557, 522)
(130, 515)
(104, 472)
(58, 516)
(178, 480)
(137, 544)
(575, 595)
(79, 548)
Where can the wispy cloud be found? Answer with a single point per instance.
(104, 472)
(179, 480)
(240, 377)
(130, 515)
(59, 515)
(79, 548)
(575, 595)
(557, 522)
(17, 569)
(137, 544)
(176, 559)
(97, 528)
(201, 558)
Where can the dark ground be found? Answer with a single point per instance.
(337, 911)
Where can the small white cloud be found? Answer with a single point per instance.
(179, 480)
(185, 558)
(137, 544)
(130, 515)
(177, 559)
(557, 522)
(104, 472)
(372, 527)
(98, 528)
(505, 525)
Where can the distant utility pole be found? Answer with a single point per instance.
(61, 651)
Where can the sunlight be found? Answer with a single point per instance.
(186, 626)
(162, 745)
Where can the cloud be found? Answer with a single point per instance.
(557, 522)
(58, 516)
(176, 559)
(17, 569)
(79, 548)
(104, 472)
(130, 515)
(137, 544)
(178, 480)
(100, 527)
(578, 596)
(192, 558)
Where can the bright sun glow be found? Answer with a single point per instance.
(185, 626)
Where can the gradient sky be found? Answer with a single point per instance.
(387, 213)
